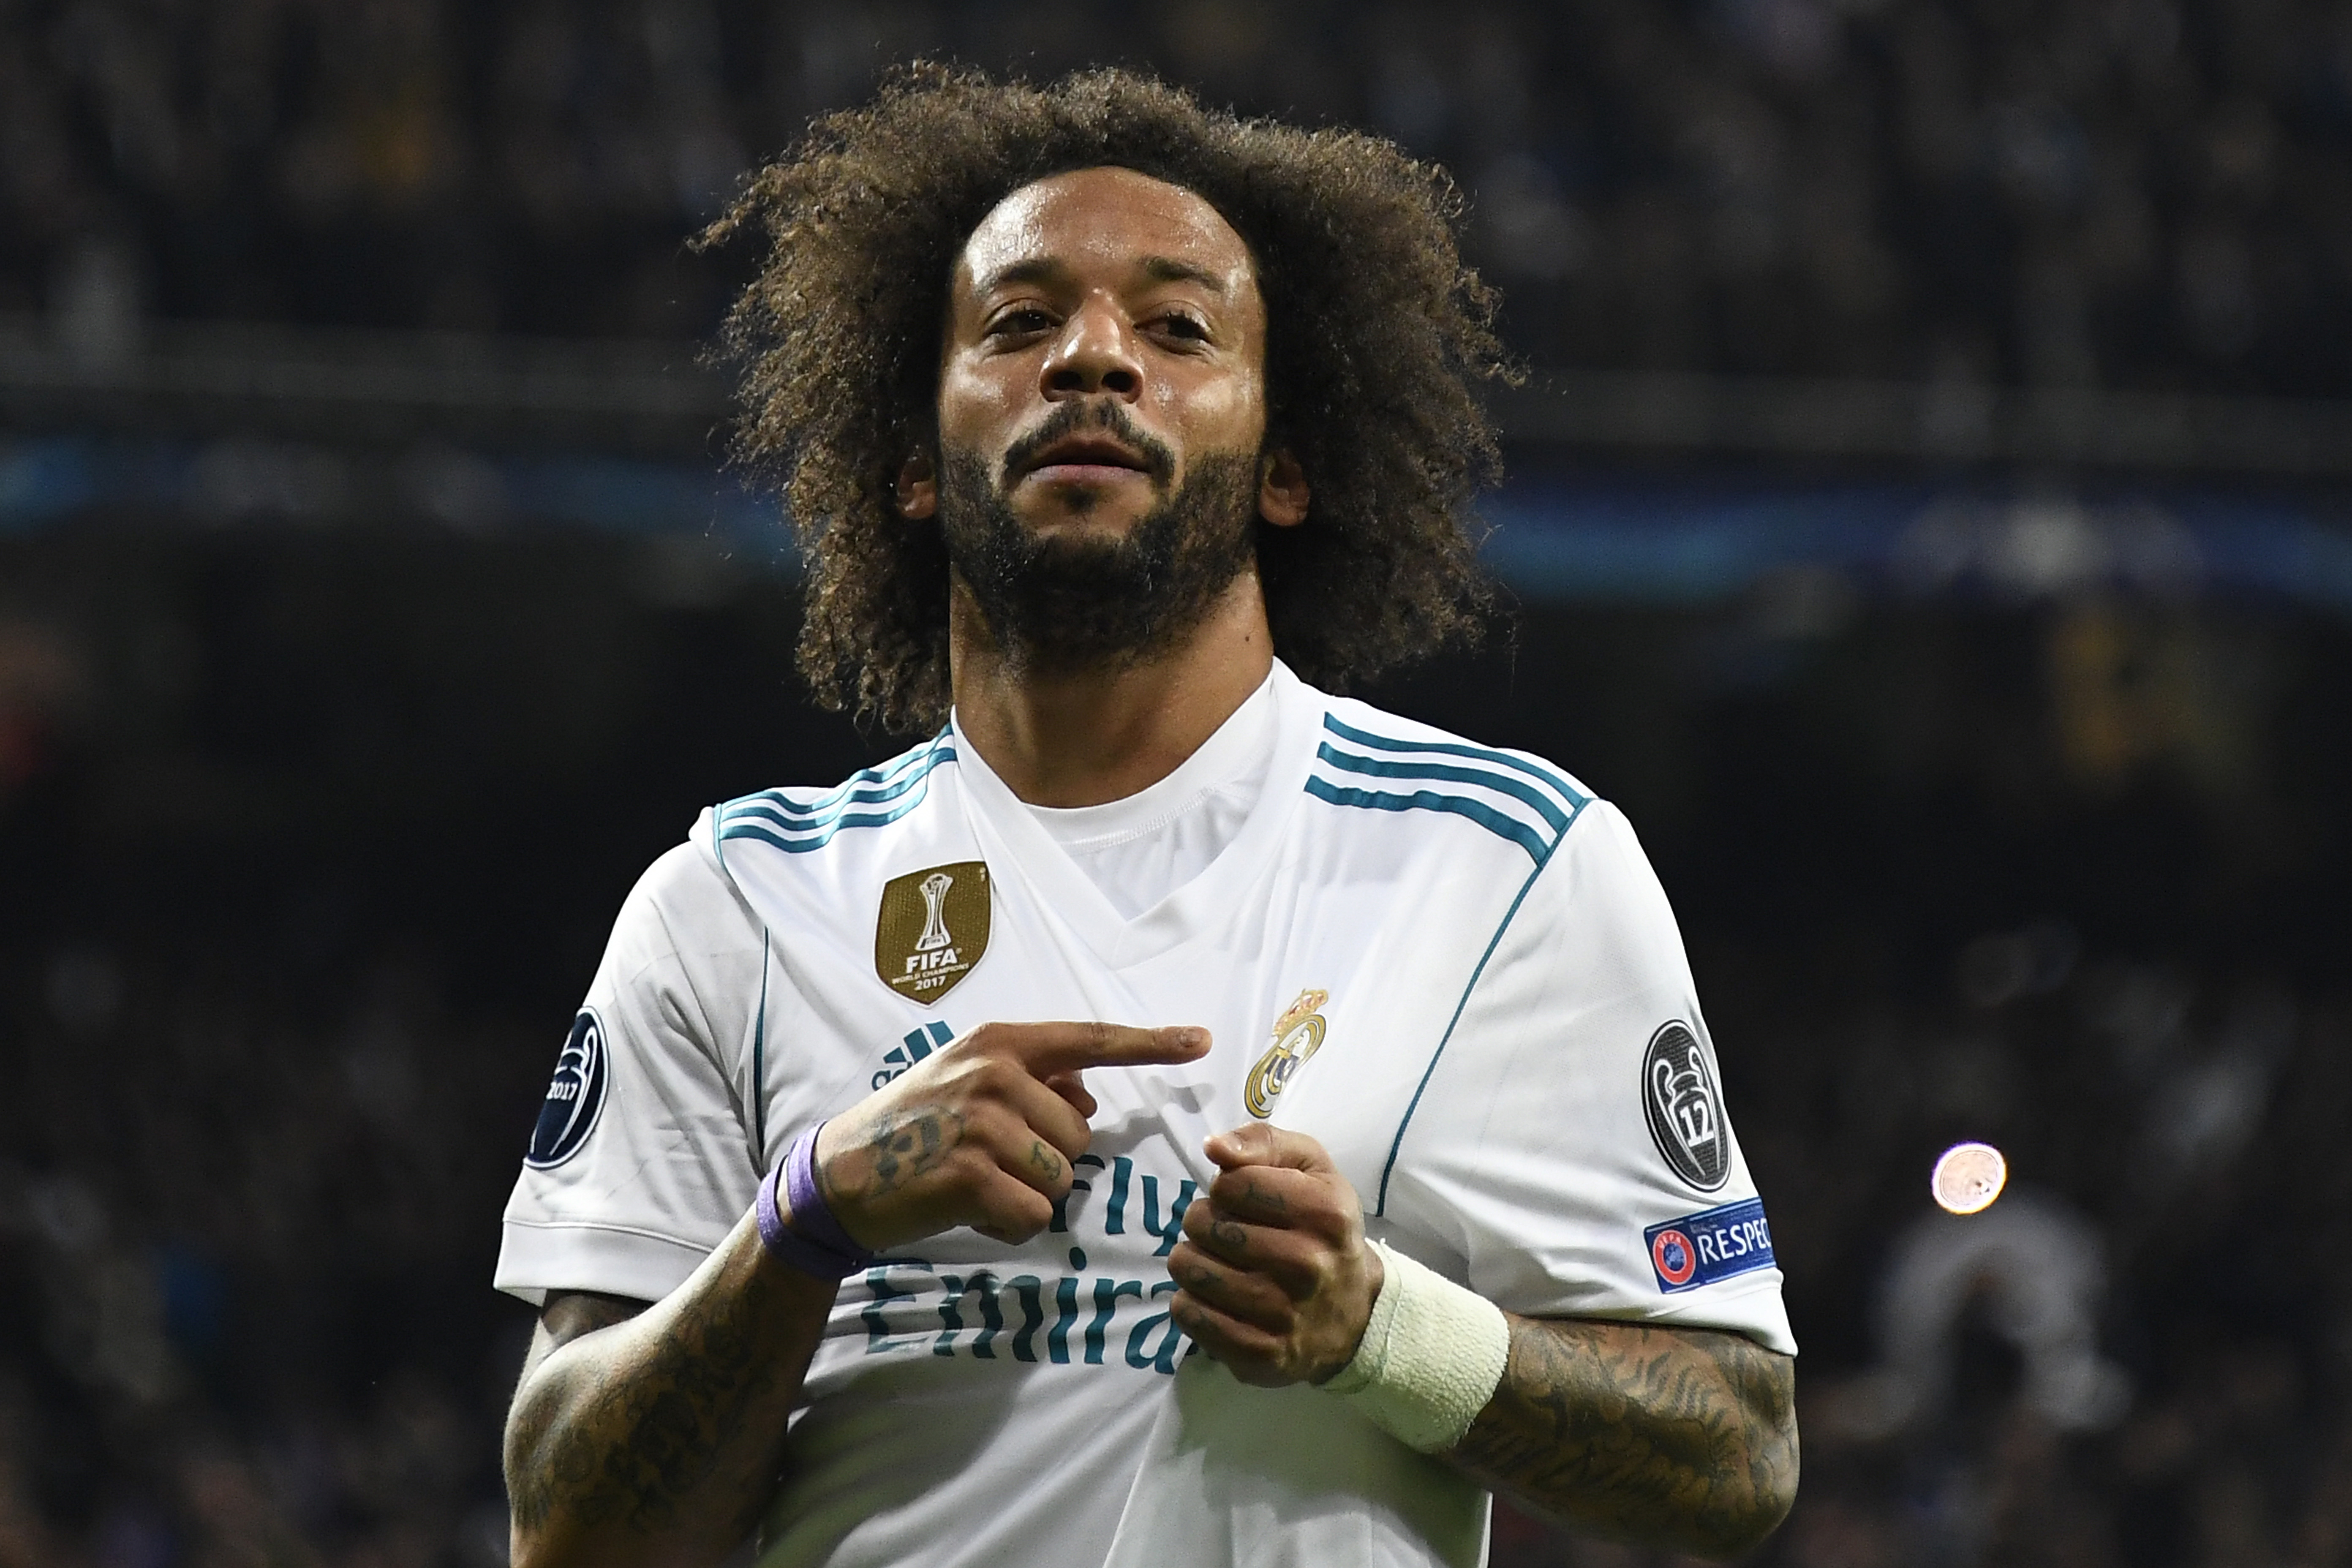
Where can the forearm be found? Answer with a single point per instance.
(1678, 1438)
(658, 1439)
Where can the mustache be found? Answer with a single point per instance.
(1070, 419)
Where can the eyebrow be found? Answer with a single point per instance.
(1167, 269)
(1047, 269)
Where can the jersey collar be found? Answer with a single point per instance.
(1018, 846)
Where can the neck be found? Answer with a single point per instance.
(1091, 736)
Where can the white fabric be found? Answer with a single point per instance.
(1497, 956)
(672, 1163)
(1139, 850)
(1431, 1357)
(1233, 1477)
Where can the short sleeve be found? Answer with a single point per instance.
(1572, 1146)
(643, 1158)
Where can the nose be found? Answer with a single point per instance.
(1095, 354)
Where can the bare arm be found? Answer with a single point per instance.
(644, 1436)
(1676, 1437)
(1681, 1439)
(655, 1435)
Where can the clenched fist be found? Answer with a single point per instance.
(1275, 1278)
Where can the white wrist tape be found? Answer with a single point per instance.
(1431, 1357)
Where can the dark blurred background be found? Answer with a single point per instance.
(1931, 519)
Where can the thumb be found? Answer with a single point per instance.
(1258, 1143)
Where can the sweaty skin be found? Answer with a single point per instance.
(1105, 286)
(654, 1434)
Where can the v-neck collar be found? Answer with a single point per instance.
(1017, 844)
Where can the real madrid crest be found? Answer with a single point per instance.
(1297, 1036)
(932, 927)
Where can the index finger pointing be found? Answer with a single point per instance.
(1047, 1049)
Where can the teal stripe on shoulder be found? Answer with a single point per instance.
(840, 794)
(786, 815)
(773, 829)
(1574, 797)
(1536, 800)
(1500, 824)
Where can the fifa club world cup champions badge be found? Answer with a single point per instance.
(932, 927)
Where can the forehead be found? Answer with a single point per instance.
(1093, 221)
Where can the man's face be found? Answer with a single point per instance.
(1101, 409)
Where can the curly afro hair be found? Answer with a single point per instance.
(1377, 334)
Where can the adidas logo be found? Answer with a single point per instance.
(918, 1044)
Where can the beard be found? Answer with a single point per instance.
(1067, 605)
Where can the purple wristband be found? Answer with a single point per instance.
(814, 1243)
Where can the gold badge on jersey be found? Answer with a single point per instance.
(932, 927)
(1297, 1036)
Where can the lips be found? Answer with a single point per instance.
(1085, 445)
(1087, 456)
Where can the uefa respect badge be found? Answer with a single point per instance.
(1714, 1244)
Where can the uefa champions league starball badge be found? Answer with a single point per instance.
(1968, 1177)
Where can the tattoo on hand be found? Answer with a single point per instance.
(904, 1145)
(1683, 1438)
(1199, 1276)
(1046, 1161)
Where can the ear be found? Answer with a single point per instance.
(1282, 490)
(918, 490)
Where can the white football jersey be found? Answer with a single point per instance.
(1448, 962)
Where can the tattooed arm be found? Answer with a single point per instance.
(655, 1435)
(1683, 1438)
(644, 1436)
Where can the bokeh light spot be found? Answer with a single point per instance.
(1969, 1177)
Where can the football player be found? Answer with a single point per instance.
(1171, 1114)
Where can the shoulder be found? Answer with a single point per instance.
(681, 907)
(1368, 759)
(685, 904)
(681, 950)
(800, 821)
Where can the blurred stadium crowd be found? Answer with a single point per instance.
(309, 847)
(2147, 194)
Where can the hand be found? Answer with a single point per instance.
(1275, 1278)
(980, 1134)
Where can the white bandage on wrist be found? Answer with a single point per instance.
(1431, 1357)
